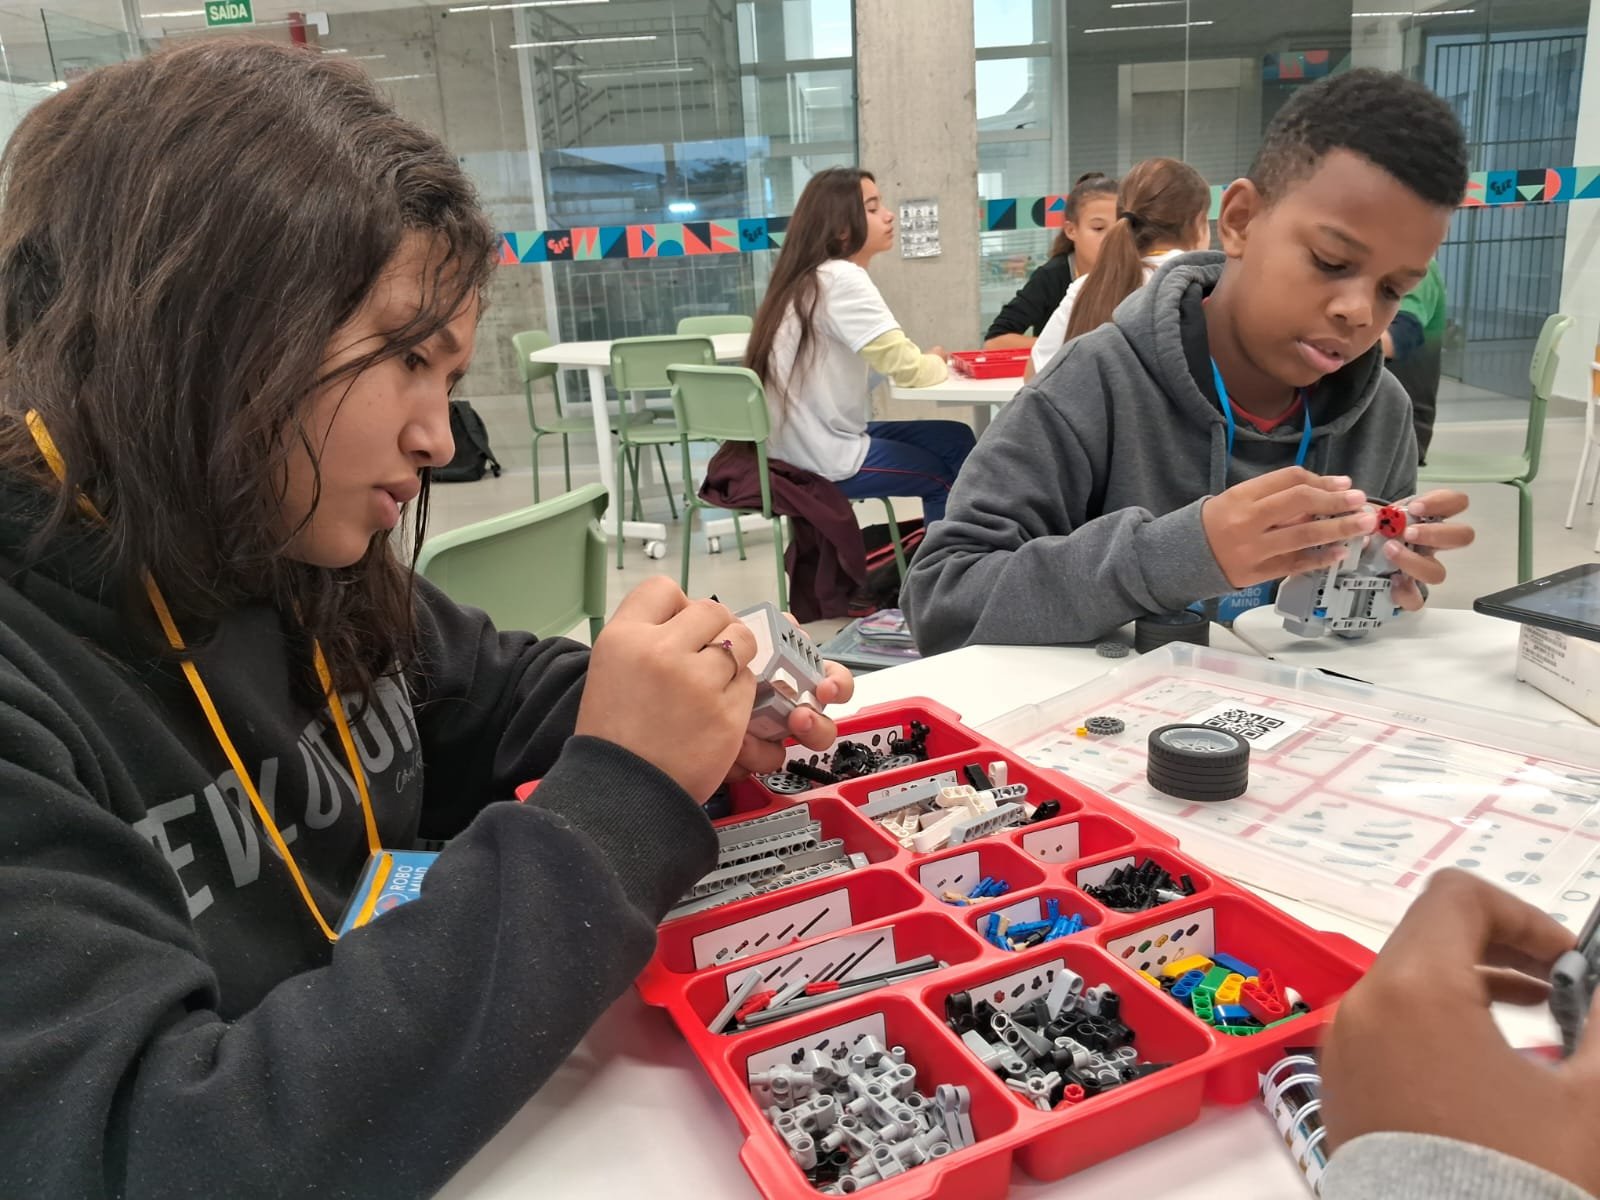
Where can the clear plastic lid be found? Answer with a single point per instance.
(1356, 794)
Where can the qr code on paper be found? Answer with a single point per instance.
(1261, 729)
(1245, 723)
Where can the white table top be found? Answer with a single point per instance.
(959, 389)
(631, 1113)
(1454, 653)
(729, 347)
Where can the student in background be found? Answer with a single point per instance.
(1163, 209)
(821, 328)
(1414, 347)
(223, 683)
(1183, 451)
(1090, 210)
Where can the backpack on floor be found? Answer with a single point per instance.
(473, 456)
(882, 588)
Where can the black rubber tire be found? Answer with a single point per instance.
(1151, 633)
(1214, 766)
(1186, 790)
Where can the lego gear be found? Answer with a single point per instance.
(1153, 632)
(1112, 650)
(785, 783)
(1198, 762)
(1104, 726)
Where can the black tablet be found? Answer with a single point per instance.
(1568, 602)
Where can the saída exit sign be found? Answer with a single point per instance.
(229, 12)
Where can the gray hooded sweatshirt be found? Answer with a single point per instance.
(1079, 511)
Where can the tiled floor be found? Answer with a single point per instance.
(1493, 425)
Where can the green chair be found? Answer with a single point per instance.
(720, 323)
(540, 568)
(563, 426)
(640, 364)
(728, 404)
(1517, 470)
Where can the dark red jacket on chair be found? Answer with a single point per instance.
(826, 558)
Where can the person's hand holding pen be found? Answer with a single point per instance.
(1415, 1048)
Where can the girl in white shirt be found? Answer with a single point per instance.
(1163, 209)
(820, 329)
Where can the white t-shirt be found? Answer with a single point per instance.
(820, 414)
(1054, 334)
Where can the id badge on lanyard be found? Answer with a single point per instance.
(391, 878)
(1231, 607)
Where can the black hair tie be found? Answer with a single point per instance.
(1133, 219)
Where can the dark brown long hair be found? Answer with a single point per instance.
(180, 237)
(1090, 183)
(1161, 201)
(829, 221)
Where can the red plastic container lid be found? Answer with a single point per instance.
(990, 364)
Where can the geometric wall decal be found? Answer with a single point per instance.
(751, 235)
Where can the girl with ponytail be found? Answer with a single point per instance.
(1163, 209)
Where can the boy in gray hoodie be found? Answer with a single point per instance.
(1184, 450)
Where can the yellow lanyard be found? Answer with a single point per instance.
(52, 456)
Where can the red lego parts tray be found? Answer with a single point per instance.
(833, 938)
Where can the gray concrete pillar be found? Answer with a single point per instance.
(916, 107)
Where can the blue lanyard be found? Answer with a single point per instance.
(1227, 412)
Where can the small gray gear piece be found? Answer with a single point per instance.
(786, 783)
(1112, 650)
(1104, 726)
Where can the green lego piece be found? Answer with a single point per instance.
(1285, 1021)
(1214, 978)
(1202, 1007)
(1240, 1030)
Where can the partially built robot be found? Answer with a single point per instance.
(1355, 595)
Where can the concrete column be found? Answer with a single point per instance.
(1379, 42)
(917, 120)
(1580, 271)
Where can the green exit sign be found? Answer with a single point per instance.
(229, 12)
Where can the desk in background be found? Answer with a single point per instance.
(594, 358)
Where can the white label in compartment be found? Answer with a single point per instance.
(1178, 937)
(1017, 914)
(1053, 844)
(959, 873)
(1011, 992)
(859, 954)
(827, 913)
(824, 1040)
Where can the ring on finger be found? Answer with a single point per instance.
(727, 644)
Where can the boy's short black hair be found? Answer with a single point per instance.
(1396, 123)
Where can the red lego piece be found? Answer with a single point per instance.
(755, 1004)
(1392, 521)
(1071, 1094)
(816, 989)
(1261, 1004)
